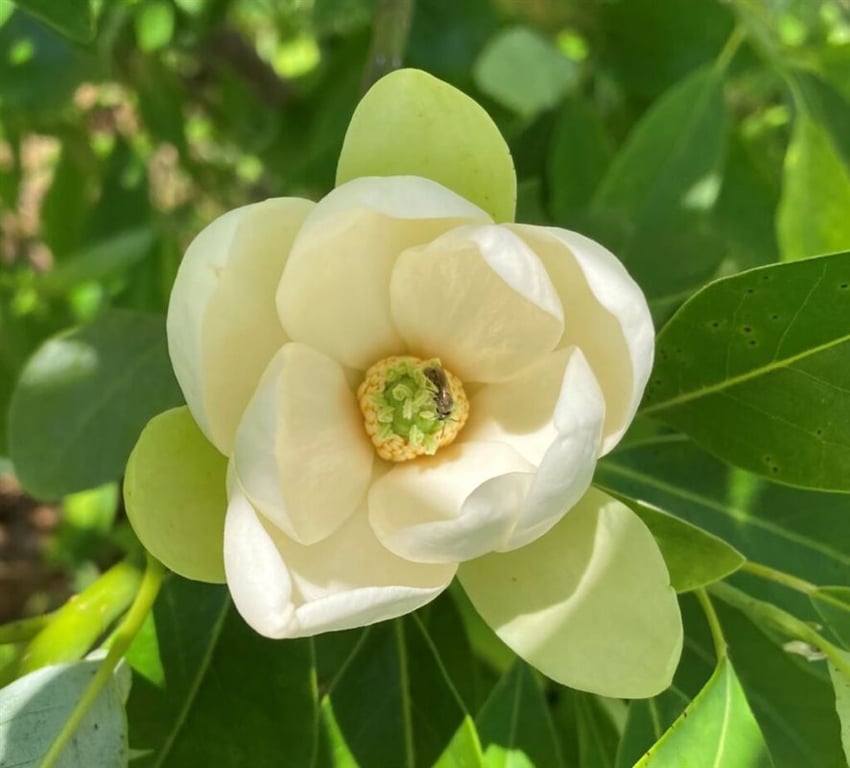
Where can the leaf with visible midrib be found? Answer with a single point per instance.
(717, 729)
(755, 367)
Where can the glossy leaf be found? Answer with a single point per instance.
(841, 683)
(515, 727)
(738, 359)
(82, 401)
(597, 735)
(410, 123)
(36, 706)
(73, 18)
(664, 181)
(812, 217)
(833, 606)
(695, 558)
(717, 728)
(647, 721)
(174, 491)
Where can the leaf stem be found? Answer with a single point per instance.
(727, 53)
(390, 26)
(713, 623)
(780, 577)
(128, 629)
(780, 621)
(24, 629)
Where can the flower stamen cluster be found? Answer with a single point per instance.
(411, 407)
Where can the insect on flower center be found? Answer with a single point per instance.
(411, 407)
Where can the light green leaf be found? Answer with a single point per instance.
(755, 368)
(73, 18)
(410, 123)
(664, 182)
(515, 727)
(833, 606)
(695, 558)
(174, 491)
(82, 400)
(647, 720)
(154, 25)
(717, 728)
(842, 702)
(36, 706)
(524, 71)
(812, 217)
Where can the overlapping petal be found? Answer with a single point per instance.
(301, 453)
(222, 324)
(605, 315)
(589, 604)
(480, 300)
(338, 274)
(284, 589)
(425, 510)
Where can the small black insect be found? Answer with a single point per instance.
(443, 401)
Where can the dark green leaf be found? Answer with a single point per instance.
(738, 360)
(833, 606)
(716, 728)
(664, 182)
(73, 18)
(84, 397)
(695, 558)
(514, 725)
(597, 735)
(646, 723)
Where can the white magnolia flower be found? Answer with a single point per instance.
(407, 392)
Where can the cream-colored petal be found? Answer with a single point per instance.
(284, 589)
(301, 453)
(605, 315)
(222, 324)
(430, 510)
(589, 604)
(552, 415)
(334, 294)
(480, 300)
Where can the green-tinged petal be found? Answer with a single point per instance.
(410, 123)
(174, 491)
(589, 604)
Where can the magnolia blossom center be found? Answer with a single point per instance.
(411, 407)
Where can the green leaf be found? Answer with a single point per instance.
(174, 491)
(410, 123)
(833, 606)
(842, 703)
(514, 725)
(83, 399)
(524, 71)
(800, 532)
(647, 721)
(36, 706)
(812, 217)
(154, 25)
(415, 717)
(716, 728)
(755, 366)
(73, 18)
(695, 558)
(664, 182)
(597, 734)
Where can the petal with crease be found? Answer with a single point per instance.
(553, 416)
(605, 315)
(480, 300)
(284, 589)
(337, 278)
(222, 324)
(589, 604)
(301, 453)
(442, 509)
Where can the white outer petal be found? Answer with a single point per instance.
(301, 453)
(605, 315)
(480, 300)
(334, 293)
(222, 324)
(589, 604)
(283, 589)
